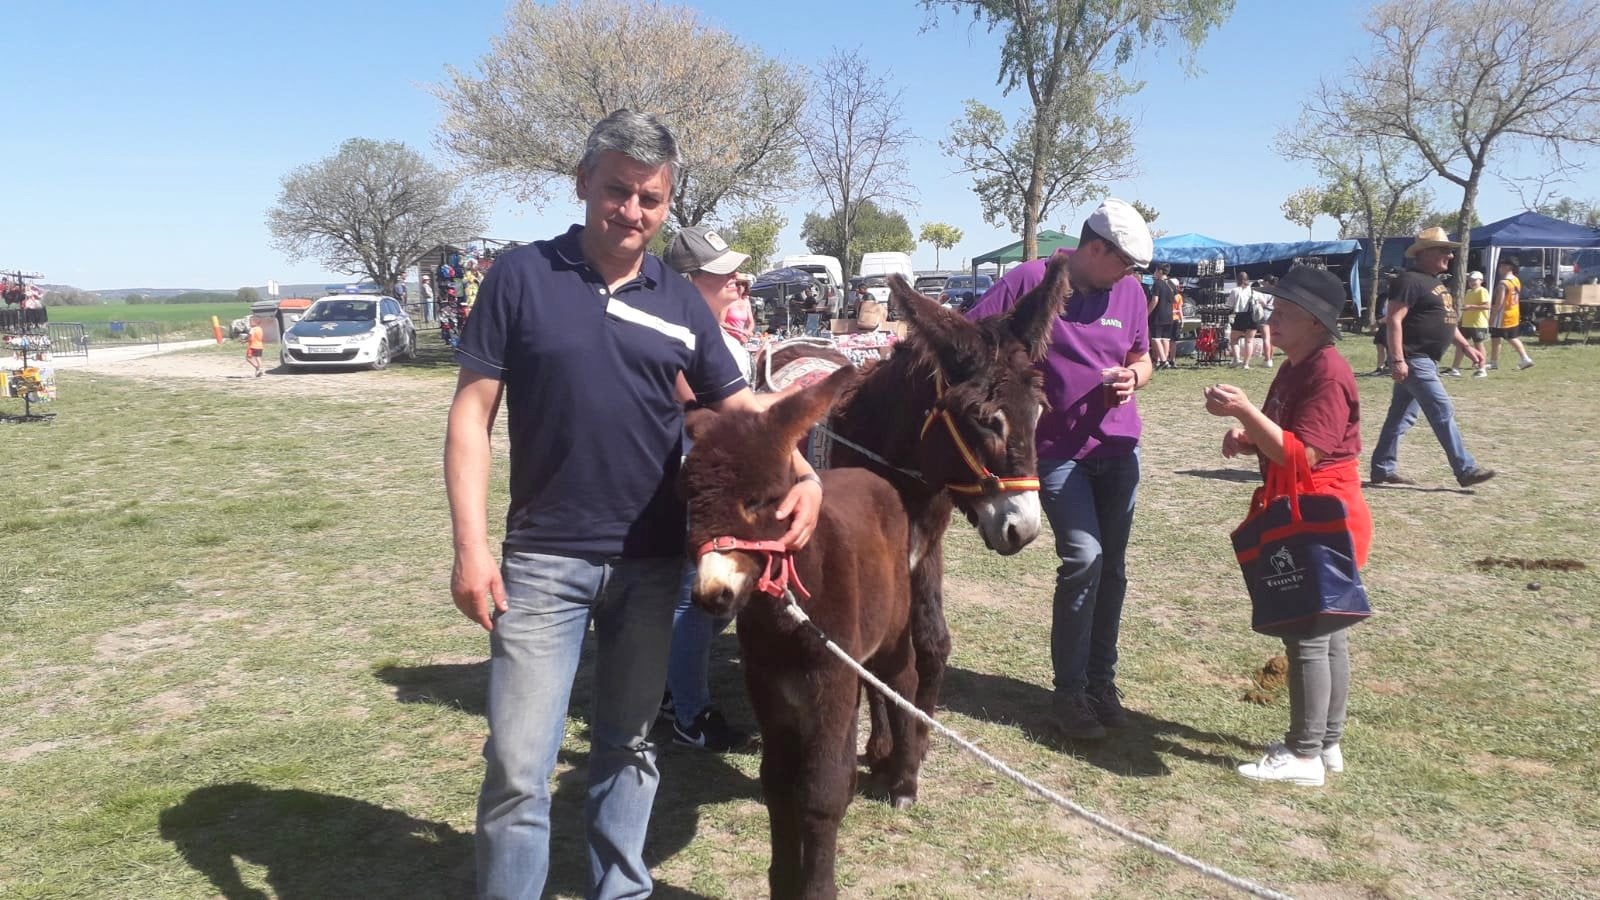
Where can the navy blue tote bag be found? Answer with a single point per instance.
(1298, 557)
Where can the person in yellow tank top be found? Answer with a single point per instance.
(1474, 322)
(1505, 314)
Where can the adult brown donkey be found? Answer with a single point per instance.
(853, 580)
(949, 419)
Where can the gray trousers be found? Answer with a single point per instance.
(1319, 686)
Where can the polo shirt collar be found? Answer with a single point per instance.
(569, 248)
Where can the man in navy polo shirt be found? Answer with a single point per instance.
(1088, 441)
(587, 336)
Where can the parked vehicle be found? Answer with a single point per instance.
(962, 292)
(350, 330)
(827, 271)
(882, 265)
(931, 284)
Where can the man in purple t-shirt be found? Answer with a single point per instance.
(1089, 452)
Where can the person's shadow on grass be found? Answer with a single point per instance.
(1135, 750)
(690, 778)
(1239, 475)
(315, 845)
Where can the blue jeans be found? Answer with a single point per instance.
(1089, 503)
(689, 664)
(1421, 390)
(535, 648)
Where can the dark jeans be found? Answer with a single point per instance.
(1089, 503)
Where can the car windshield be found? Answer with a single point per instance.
(342, 311)
(930, 281)
(873, 281)
(964, 283)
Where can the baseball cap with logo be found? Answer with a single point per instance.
(1120, 224)
(698, 248)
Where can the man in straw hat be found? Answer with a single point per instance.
(1420, 328)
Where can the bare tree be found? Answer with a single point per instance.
(523, 118)
(1373, 184)
(1465, 80)
(371, 209)
(852, 140)
(1064, 53)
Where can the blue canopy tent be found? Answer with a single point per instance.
(1188, 249)
(1530, 231)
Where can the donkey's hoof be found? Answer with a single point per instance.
(904, 801)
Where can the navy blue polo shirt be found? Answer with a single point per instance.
(590, 380)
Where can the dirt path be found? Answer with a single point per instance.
(228, 371)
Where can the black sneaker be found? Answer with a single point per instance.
(1076, 718)
(1474, 475)
(1106, 701)
(709, 731)
(1392, 479)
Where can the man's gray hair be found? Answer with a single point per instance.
(639, 136)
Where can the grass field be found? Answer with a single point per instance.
(177, 321)
(231, 667)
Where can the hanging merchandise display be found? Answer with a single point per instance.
(26, 373)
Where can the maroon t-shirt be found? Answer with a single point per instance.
(1316, 399)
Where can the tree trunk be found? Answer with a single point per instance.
(1469, 203)
(1034, 195)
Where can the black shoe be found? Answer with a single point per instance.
(1106, 701)
(709, 731)
(1393, 479)
(1474, 475)
(1076, 718)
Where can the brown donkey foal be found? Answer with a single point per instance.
(853, 581)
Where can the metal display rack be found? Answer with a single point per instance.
(24, 334)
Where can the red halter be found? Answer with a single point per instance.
(779, 574)
(987, 482)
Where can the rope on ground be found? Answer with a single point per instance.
(1127, 834)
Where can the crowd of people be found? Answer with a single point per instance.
(598, 347)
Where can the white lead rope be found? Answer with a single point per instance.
(1134, 837)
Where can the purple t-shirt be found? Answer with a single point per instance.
(1096, 331)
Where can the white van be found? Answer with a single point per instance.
(877, 267)
(827, 271)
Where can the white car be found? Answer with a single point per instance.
(350, 330)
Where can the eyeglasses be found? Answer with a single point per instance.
(1126, 260)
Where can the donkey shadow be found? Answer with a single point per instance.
(690, 778)
(1136, 750)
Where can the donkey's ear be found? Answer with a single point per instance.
(1032, 319)
(790, 417)
(696, 421)
(947, 332)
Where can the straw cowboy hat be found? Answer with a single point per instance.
(1429, 239)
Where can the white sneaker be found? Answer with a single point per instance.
(1453, 372)
(1268, 363)
(1525, 364)
(1333, 759)
(1282, 765)
(1481, 373)
(1245, 366)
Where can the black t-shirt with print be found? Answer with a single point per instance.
(1429, 327)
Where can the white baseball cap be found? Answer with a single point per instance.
(1119, 223)
(1474, 276)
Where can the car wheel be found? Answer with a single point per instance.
(381, 359)
(411, 346)
(283, 362)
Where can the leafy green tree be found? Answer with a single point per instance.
(1567, 209)
(558, 68)
(374, 208)
(69, 296)
(248, 295)
(757, 235)
(942, 236)
(1065, 54)
(1302, 208)
(876, 231)
(1450, 220)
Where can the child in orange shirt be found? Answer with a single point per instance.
(256, 346)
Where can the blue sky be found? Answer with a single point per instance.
(152, 137)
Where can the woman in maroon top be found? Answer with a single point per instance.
(1314, 398)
